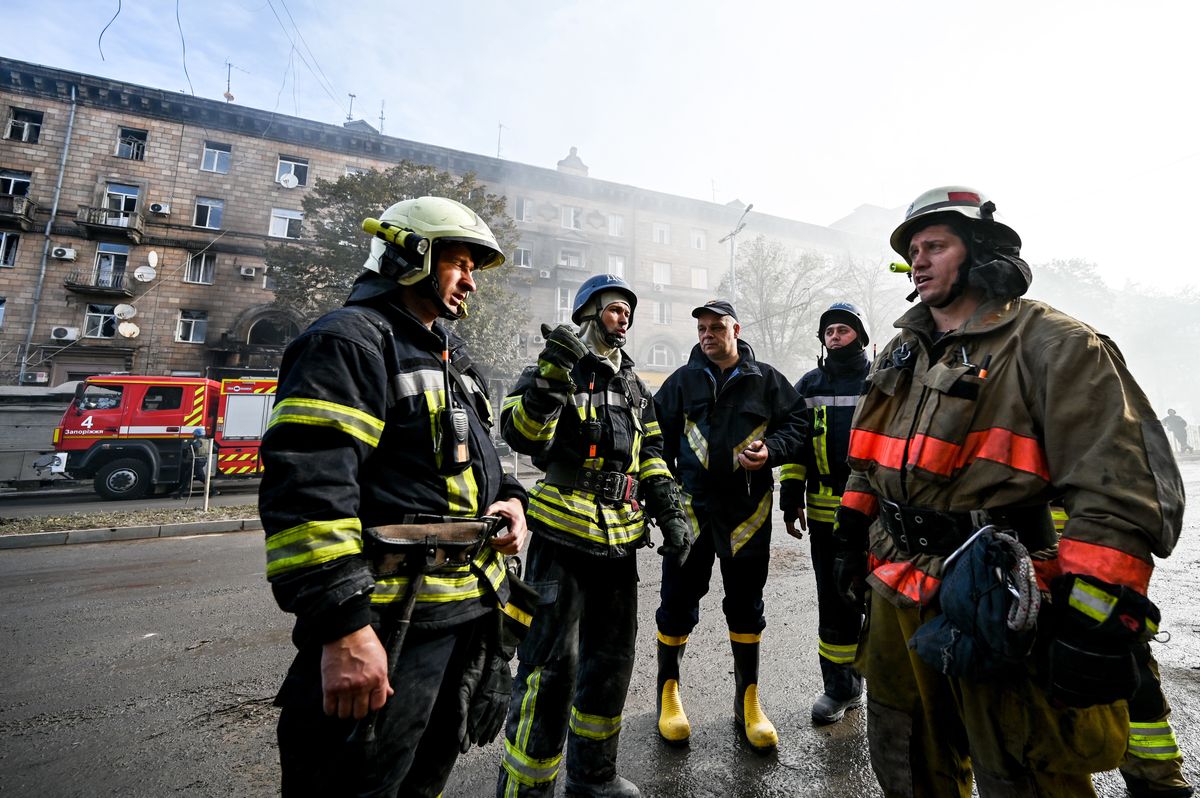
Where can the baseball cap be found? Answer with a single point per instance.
(718, 306)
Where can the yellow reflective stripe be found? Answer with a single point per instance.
(462, 494)
(312, 543)
(594, 727)
(653, 467)
(819, 439)
(821, 514)
(672, 640)
(320, 413)
(690, 512)
(635, 449)
(533, 686)
(526, 770)
(842, 655)
(742, 533)
(1059, 516)
(529, 428)
(456, 584)
(696, 442)
(824, 499)
(792, 471)
(517, 614)
(739, 637)
(653, 428)
(1153, 741)
(749, 439)
(1091, 601)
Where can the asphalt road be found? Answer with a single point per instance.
(147, 668)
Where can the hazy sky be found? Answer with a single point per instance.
(1078, 118)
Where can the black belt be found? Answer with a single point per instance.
(611, 486)
(919, 530)
(426, 543)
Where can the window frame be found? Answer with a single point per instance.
(660, 312)
(3, 303)
(128, 137)
(668, 356)
(211, 204)
(619, 261)
(523, 257)
(199, 321)
(218, 149)
(660, 232)
(523, 210)
(575, 220)
(15, 177)
(9, 243)
(25, 124)
(288, 216)
(98, 319)
(118, 255)
(616, 225)
(699, 239)
(702, 284)
(564, 300)
(567, 255)
(660, 268)
(297, 166)
(207, 264)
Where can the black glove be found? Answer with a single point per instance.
(562, 351)
(677, 538)
(1098, 627)
(665, 506)
(791, 500)
(489, 704)
(850, 531)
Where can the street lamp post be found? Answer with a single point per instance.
(731, 237)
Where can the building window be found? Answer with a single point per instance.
(572, 217)
(131, 144)
(699, 239)
(193, 325)
(563, 314)
(616, 265)
(200, 268)
(570, 258)
(616, 225)
(14, 183)
(356, 170)
(23, 125)
(99, 321)
(523, 258)
(209, 212)
(8, 249)
(121, 201)
(524, 209)
(297, 167)
(660, 355)
(700, 278)
(285, 223)
(216, 157)
(661, 311)
(3, 302)
(662, 233)
(662, 273)
(111, 260)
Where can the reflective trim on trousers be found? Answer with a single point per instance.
(1153, 740)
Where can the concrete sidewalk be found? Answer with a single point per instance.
(109, 534)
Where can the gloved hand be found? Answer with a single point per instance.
(850, 533)
(665, 506)
(489, 704)
(791, 501)
(1099, 625)
(562, 351)
(677, 538)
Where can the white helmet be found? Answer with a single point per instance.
(402, 249)
(968, 203)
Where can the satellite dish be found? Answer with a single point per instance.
(289, 181)
(144, 274)
(128, 329)
(152, 258)
(124, 311)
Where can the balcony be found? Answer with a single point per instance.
(98, 283)
(110, 224)
(17, 211)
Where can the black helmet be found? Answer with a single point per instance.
(847, 313)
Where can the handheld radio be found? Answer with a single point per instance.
(453, 425)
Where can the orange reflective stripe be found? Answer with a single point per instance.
(905, 578)
(1045, 571)
(1104, 562)
(882, 449)
(941, 457)
(865, 503)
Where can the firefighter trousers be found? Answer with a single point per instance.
(1153, 763)
(417, 731)
(929, 733)
(838, 626)
(576, 664)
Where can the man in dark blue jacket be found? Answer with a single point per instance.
(830, 393)
(726, 420)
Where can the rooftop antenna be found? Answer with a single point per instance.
(381, 117)
(350, 111)
(228, 76)
(499, 131)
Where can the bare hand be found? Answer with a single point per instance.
(354, 675)
(514, 537)
(754, 456)
(798, 534)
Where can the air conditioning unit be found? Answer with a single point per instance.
(62, 253)
(544, 274)
(161, 208)
(36, 377)
(537, 339)
(64, 333)
(247, 271)
(659, 287)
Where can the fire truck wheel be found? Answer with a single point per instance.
(127, 478)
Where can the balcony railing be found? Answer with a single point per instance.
(111, 283)
(109, 223)
(17, 211)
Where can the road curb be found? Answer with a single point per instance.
(107, 535)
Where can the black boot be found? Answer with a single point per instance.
(760, 732)
(843, 690)
(673, 724)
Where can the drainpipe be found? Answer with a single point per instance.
(37, 291)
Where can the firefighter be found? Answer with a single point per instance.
(985, 407)
(377, 459)
(727, 420)
(588, 421)
(193, 463)
(830, 392)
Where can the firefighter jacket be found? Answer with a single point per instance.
(608, 425)
(351, 444)
(830, 393)
(1019, 406)
(705, 427)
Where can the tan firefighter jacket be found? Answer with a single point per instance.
(1055, 413)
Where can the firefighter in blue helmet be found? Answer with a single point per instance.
(812, 486)
(588, 421)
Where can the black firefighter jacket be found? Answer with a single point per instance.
(351, 445)
(705, 428)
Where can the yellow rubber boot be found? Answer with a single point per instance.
(760, 732)
(673, 724)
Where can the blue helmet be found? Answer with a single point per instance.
(593, 286)
(847, 313)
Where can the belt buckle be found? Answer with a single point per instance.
(616, 487)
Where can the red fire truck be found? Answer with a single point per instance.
(131, 434)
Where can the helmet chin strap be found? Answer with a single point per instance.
(433, 290)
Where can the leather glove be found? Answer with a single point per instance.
(677, 538)
(665, 506)
(562, 351)
(850, 530)
(489, 704)
(1099, 626)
